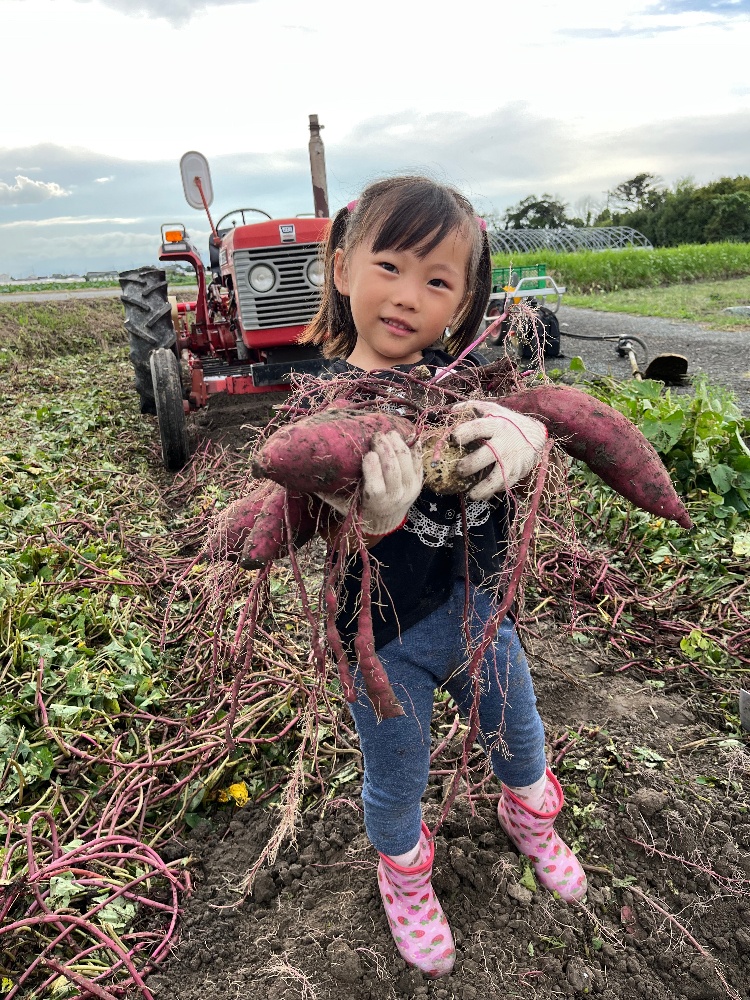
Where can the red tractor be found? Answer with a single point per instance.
(240, 334)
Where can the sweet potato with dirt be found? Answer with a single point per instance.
(267, 537)
(256, 525)
(323, 453)
(610, 444)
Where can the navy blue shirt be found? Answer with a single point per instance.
(418, 564)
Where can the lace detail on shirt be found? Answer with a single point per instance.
(436, 535)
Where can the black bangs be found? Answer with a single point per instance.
(415, 217)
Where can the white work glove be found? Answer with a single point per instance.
(513, 444)
(392, 476)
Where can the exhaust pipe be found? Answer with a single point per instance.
(318, 169)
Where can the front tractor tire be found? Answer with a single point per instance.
(148, 321)
(170, 411)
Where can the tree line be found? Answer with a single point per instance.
(684, 213)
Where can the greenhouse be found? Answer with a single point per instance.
(566, 240)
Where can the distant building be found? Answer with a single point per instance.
(100, 275)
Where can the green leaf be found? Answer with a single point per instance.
(624, 883)
(62, 888)
(527, 879)
(741, 544)
(723, 477)
(118, 914)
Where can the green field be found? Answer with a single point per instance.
(71, 286)
(613, 270)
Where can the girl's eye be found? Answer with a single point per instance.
(437, 283)
(387, 266)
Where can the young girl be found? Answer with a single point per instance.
(406, 266)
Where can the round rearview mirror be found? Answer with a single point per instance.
(196, 177)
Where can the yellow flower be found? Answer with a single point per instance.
(237, 793)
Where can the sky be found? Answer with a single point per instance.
(99, 99)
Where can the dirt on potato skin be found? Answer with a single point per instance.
(645, 779)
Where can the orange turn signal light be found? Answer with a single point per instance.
(174, 235)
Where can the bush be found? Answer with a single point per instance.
(610, 270)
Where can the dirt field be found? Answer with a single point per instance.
(658, 807)
(658, 810)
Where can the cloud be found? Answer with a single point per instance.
(103, 180)
(92, 246)
(626, 31)
(177, 12)
(67, 220)
(496, 159)
(28, 192)
(702, 6)
(510, 152)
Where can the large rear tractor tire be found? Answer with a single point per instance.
(148, 320)
(170, 412)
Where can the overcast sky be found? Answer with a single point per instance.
(100, 98)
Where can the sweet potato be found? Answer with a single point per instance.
(266, 538)
(607, 442)
(323, 453)
(256, 521)
(229, 528)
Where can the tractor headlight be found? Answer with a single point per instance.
(262, 278)
(316, 274)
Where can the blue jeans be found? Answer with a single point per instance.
(396, 752)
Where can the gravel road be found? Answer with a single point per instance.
(723, 355)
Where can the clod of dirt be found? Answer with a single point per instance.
(264, 888)
(520, 893)
(578, 976)
(345, 963)
(648, 801)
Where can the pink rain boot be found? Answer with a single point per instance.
(418, 924)
(531, 830)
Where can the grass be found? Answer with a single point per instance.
(701, 302)
(48, 329)
(68, 286)
(613, 270)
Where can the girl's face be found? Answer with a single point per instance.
(401, 303)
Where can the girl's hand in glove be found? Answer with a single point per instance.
(392, 478)
(513, 444)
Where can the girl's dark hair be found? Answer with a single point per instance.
(402, 213)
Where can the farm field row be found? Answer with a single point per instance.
(613, 270)
(121, 667)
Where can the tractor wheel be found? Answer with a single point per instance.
(167, 388)
(148, 320)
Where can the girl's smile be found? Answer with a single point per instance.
(401, 302)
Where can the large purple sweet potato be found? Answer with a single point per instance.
(610, 444)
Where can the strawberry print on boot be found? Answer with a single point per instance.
(418, 924)
(532, 831)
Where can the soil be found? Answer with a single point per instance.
(658, 810)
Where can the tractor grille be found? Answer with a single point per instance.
(292, 302)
